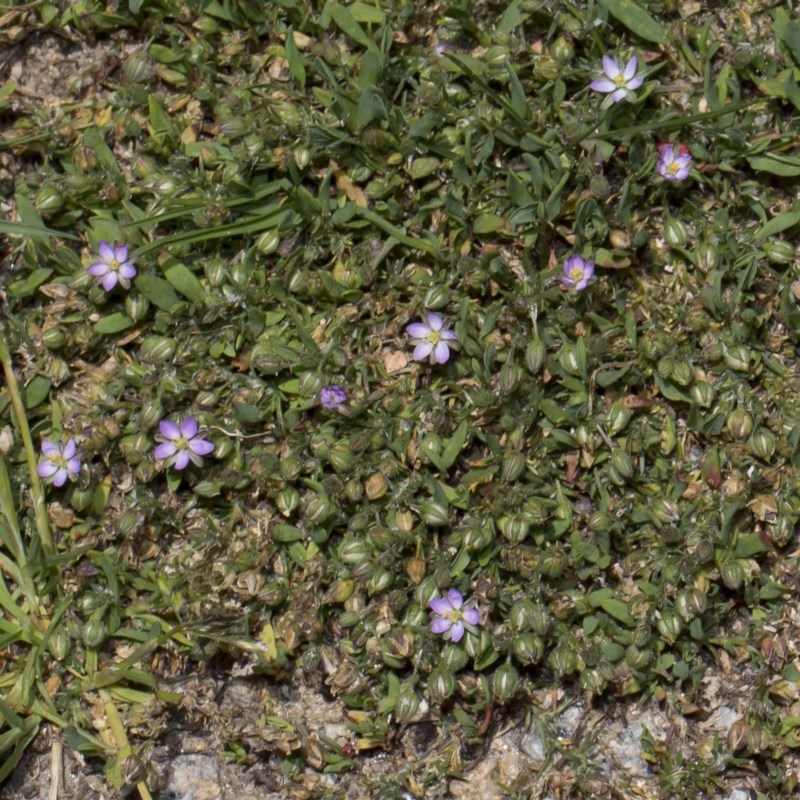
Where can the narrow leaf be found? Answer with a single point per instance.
(635, 19)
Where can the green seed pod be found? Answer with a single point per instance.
(779, 251)
(636, 658)
(478, 537)
(288, 500)
(441, 685)
(669, 434)
(617, 418)
(426, 590)
(762, 443)
(436, 298)
(563, 660)
(353, 490)
(514, 527)
(407, 704)
(509, 379)
(454, 658)
(340, 591)
(739, 424)
(562, 50)
(93, 632)
(376, 486)
(415, 616)
(732, 573)
(540, 619)
(477, 643)
(354, 551)
(737, 357)
(621, 462)
(698, 600)
(380, 580)
(81, 498)
(301, 155)
(341, 457)
(552, 564)
(676, 233)
(290, 468)
(505, 683)
(433, 513)
(59, 644)
(528, 649)
(568, 359)
(512, 467)
(216, 272)
(431, 444)
(665, 367)
(157, 349)
(705, 256)
(702, 394)
(535, 355)
(642, 635)
(669, 625)
(684, 607)
(682, 373)
(520, 616)
(151, 414)
(665, 510)
(48, 200)
(593, 681)
(136, 306)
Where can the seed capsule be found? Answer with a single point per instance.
(93, 633)
(621, 462)
(535, 355)
(739, 423)
(762, 443)
(514, 527)
(528, 649)
(288, 500)
(702, 394)
(676, 233)
(737, 357)
(505, 683)
(669, 626)
(512, 467)
(441, 685)
(407, 704)
(779, 252)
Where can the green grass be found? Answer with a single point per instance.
(611, 475)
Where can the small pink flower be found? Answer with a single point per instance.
(59, 461)
(618, 81)
(182, 442)
(113, 267)
(332, 396)
(674, 162)
(577, 273)
(450, 615)
(430, 339)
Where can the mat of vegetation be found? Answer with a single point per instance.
(432, 367)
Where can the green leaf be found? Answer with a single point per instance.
(788, 31)
(27, 287)
(36, 392)
(635, 19)
(519, 100)
(113, 323)
(422, 167)
(785, 166)
(778, 224)
(348, 24)
(783, 85)
(454, 445)
(488, 223)
(367, 14)
(617, 609)
(295, 60)
(749, 545)
(158, 291)
(286, 533)
(182, 279)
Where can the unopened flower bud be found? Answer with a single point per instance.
(739, 423)
(505, 683)
(535, 355)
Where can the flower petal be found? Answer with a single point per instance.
(435, 322)
(70, 448)
(74, 465)
(165, 450)
(440, 625)
(50, 448)
(448, 334)
(457, 632)
(422, 351)
(201, 447)
(169, 430)
(127, 270)
(121, 251)
(46, 469)
(181, 460)
(635, 83)
(441, 352)
(189, 428)
(98, 269)
(610, 67)
(439, 605)
(60, 477)
(418, 331)
(630, 69)
(106, 251)
(619, 95)
(603, 85)
(455, 598)
(110, 280)
(471, 615)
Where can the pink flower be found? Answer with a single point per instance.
(577, 273)
(620, 82)
(60, 461)
(113, 267)
(450, 615)
(430, 339)
(674, 162)
(332, 396)
(181, 443)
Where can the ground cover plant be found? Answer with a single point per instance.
(438, 354)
